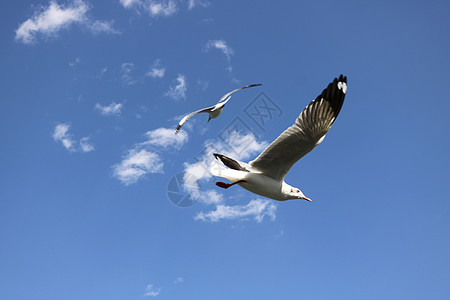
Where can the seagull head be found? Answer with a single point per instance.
(295, 193)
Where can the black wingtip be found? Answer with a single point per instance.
(335, 93)
(252, 85)
(177, 129)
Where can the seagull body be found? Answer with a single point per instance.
(215, 110)
(265, 175)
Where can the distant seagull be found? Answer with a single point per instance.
(265, 175)
(215, 110)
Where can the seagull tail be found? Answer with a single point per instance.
(229, 162)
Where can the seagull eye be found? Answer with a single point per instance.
(298, 191)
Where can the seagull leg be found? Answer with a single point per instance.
(227, 185)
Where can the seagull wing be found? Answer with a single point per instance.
(224, 97)
(208, 109)
(307, 132)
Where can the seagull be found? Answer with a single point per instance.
(215, 110)
(265, 175)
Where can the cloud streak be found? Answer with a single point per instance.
(152, 291)
(61, 134)
(256, 209)
(220, 45)
(127, 70)
(137, 163)
(194, 3)
(178, 91)
(113, 109)
(51, 20)
(161, 8)
(144, 158)
(154, 8)
(157, 71)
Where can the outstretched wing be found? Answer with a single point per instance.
(208, 109)
(307, 132)
(226, 96)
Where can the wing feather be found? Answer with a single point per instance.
(185, 118)
(224, 97)
(307, 132)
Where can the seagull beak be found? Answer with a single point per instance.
(306, 198)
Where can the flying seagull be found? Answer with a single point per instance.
(265, 175)
(215, 110)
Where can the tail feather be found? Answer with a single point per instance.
(229, 162)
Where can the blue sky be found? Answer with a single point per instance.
(92, 91)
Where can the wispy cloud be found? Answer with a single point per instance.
(61, 134)
(113, 109)
(178, 280)
(194, 3)
(137, 163)
(48, 21)
(152, 291)
(157, 71)
(130, 3)
(127, 70)
(98, 27)
(178, 91)
(85, 145)
(165, 8)
(161, 8)
(256, 209)
(155, 8)
(102, 72)
(144, 158)
(75, 62)
(165, 138)
(220, 45)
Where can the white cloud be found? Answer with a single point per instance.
(98, 27)
(130, 3)
(49, 21)
(155, 8)
(137, 163)
(161, 8)
(165, 137)
(157, 71)
(256, 209)
(220, 45)
(85, 145)
(61, 134)
(102, 72)
(178, 91)
(113, 109)
(143, 158)
(75, 62)
(151, 291)
(126, 69)
(178, 280)
(194, 3)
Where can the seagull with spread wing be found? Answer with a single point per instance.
(265, 175)
(215, 110)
